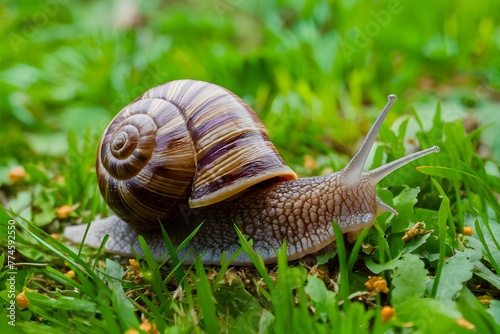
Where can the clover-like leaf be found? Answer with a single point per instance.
(409, 279)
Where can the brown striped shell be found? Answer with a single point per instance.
(184, 142)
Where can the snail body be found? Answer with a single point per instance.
(189, 152)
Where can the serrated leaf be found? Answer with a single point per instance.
(377, 268)
(457, 270)
(326, 256)
(409, 279)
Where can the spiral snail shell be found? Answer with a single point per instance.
(189, 152)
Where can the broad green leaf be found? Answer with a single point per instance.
(477, 244)
(409, 279)
(44, 201)
(482, 271)
(413, 244)
(266, 320)
(427, 315)
(377, 268)
(321, 298)
(296, 277)
(494, 310)
(242, 309)
(326, 256)
(404, 203)
(114, 269)
(456, 271)
(21, 204)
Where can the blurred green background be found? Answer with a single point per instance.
(317, 72)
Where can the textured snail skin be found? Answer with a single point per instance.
(298, 211)
(268, 209)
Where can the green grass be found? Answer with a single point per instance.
(317, 73)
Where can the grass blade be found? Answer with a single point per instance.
(344, 273)
(355, 250)
(256, 259)
(444, 212)
(206, 299)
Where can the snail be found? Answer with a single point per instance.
(188, 152)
